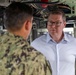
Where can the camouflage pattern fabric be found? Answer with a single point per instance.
(17, 57)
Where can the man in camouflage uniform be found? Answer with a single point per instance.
(17, 57)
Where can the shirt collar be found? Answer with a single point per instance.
(65, 38)
(48, 38)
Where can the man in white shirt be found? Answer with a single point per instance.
(58, 47)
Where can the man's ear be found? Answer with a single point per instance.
(27, 25)
(65, 23)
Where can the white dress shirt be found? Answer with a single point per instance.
(60, 55)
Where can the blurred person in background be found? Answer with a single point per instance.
(58, 46)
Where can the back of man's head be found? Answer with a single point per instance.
(16, 14)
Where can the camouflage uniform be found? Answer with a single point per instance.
(18, 58)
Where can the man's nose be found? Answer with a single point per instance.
(53, 24)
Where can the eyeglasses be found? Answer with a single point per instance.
(55, 23)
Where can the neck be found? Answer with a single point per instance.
(58, 38)
(20, 33)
